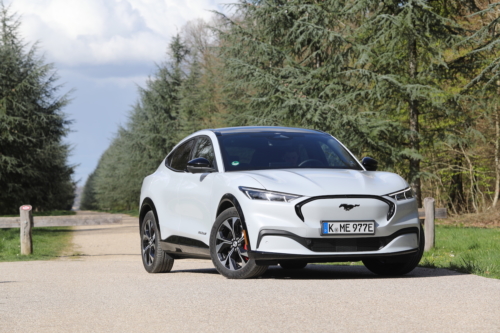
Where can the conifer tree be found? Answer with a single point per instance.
(33, 159)
(369, 72)
(404, 71)
(154, 127)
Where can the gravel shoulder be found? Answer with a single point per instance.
(107, 289)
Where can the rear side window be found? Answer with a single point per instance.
(205, 149)
(180, 156)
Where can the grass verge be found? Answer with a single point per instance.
(48, 243)
(466, 250)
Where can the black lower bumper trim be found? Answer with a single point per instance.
(274, 258)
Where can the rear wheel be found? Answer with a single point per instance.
(155, 260)
(228, 250)
(293, 265)
(391, 267)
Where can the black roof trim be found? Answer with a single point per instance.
(262, 129)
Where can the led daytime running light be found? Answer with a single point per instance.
(405, 194)
(258, 194)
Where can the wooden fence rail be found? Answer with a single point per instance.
(439, 213)
(62, 221)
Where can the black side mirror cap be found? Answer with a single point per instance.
(369, 163)
(200, 165)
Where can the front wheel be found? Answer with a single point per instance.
(391, 268)
(228, 250)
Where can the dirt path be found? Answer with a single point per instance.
(107, 289)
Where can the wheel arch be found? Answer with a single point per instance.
(146, 206)
(227, 201)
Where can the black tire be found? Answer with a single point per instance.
(154, 259)
(227, 249)
(293, 265)
(391, 267)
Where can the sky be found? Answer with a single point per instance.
(103, 50)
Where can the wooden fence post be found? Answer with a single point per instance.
(429, 223)
(26, 229)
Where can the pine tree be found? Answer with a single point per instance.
(33, 159)
(369, 72)
(154, 127)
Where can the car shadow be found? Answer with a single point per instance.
(331, 272)
(196, 271)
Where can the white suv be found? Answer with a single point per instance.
(250, 197)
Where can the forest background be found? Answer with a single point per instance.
(414, 84)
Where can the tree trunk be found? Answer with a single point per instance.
(497, 163)
(457, 197)
(414, 139)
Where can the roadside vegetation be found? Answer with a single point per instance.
(466, 250)
(33, 157)
(413, 84)
(48, 243)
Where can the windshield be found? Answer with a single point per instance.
(258, 151)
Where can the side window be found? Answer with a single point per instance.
(205, 149)
(179, 158)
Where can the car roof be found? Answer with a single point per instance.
(261, 129)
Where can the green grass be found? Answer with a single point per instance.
(51, 213)
(48, 243)
(466, 250)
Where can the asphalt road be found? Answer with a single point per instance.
(107, 289)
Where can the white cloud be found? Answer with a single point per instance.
(76, 32)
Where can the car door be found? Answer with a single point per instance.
(168, 212)
(195, 201)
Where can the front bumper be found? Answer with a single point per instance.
(278, 232)
(296, 248)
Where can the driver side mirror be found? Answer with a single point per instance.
(369, 163)
(200, 165)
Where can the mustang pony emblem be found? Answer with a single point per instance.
(348, 207)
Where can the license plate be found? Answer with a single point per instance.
(342, 228)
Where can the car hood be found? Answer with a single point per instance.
(314, 182)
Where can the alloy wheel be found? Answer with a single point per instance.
(230, 244)
(148, 243)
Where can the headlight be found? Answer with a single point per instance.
(256, 194)
(407, 193)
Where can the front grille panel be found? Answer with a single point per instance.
(346, 244)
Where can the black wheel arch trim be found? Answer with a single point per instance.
(147, 202)
(228, 197)
(390, 213)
